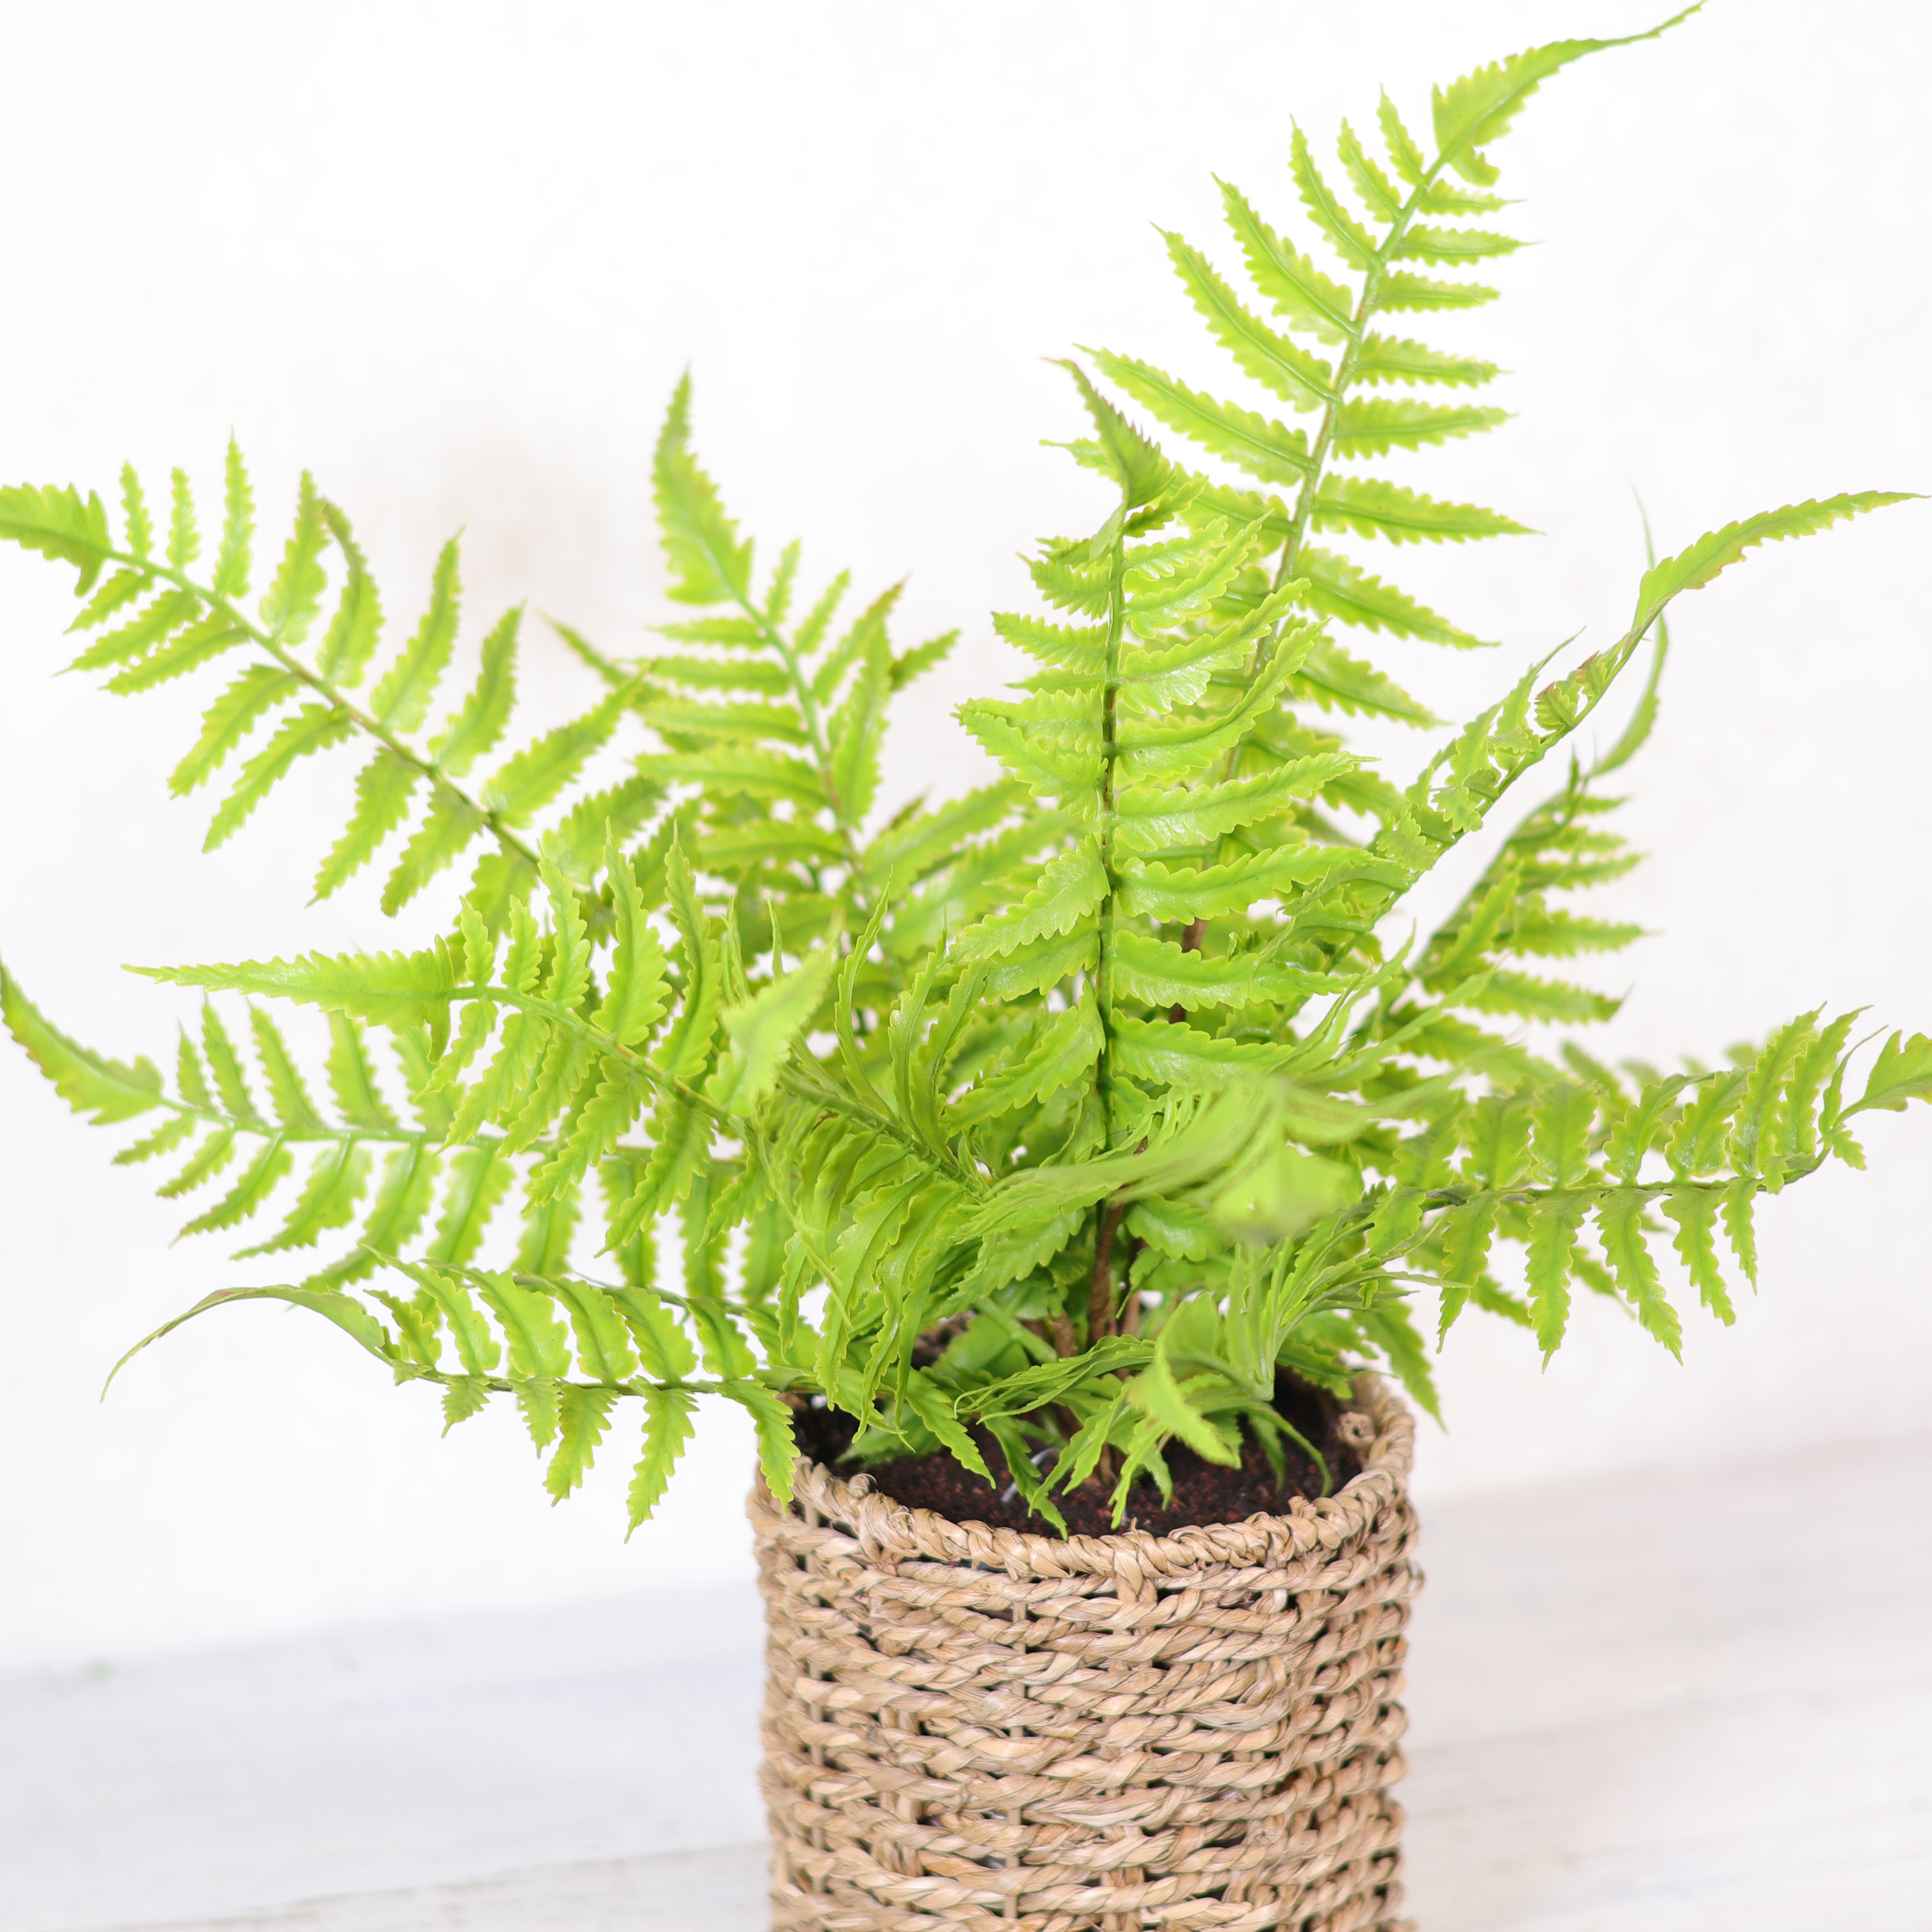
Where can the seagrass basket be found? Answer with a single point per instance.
(974, 1727)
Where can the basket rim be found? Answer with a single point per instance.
(891, 1532)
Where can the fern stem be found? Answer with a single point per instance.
(1103, 976)
(332, 694)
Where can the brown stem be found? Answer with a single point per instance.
(1100, 1295)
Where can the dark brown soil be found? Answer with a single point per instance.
(1204, 1492)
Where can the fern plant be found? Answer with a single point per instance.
(1048, 1122)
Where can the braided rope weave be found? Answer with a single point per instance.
(969, 1727)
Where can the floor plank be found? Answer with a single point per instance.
(1690, 1702)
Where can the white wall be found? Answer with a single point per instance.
(452, 257)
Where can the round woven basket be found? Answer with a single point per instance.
(974, 1727)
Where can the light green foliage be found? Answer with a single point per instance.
(1106, 1075)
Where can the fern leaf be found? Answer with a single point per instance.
(1375, 425)
(402, 699)
(1755, 1131)
(209, 1159)
(1403, 150)
(583, 1416)
(565, 1080)
(527, 782)
(335, 1184)
(293, 600)
(635, 998)
(230, 719)
(1379, 194)
(230, 1082)
(1160, 1397)
(1120, 452)
(1164, 975)
(1421, 242)
(231, 561)
(603, 1346)
(686, 1047)
(708, 563)
(1400, 291)
(1552, 1240)
(569, 977)
(1153, 819)
(1287, 278)
(1565, 1115)
(1620, 1222)
(356, 627)
(729, 769)
(314, 728)
(402, 1203)
(183, 535)
(538, 1344)
(668, 1427)
(1471, 112)
(1339, 589)
(475, 728)
(89, 1082)
(908, 665)
(1178, 895)
(1737, 1199)
(479, 1178)
(1717, 551)
(778, 1449)
(1264, 449)
(287, 1095)
(383, 789)
(763, 1029)
(594, 1125)
(123, 588)
(187, 651)
(249, 1194)
(1300, 379)
(1385, 359)
(446, 833)
(1530, 998)
(188, 1075)
(550, 1227)
(1332, 678)
(1063, 1051)
(476, 1346)
(1695, 1211)
(1901, 1073)
(392, 989)
(1372, 508)
(1328, 213)
(1071, 887)
(352, 1082)
(58, 524)
(129, 642)
(140, 528)
(164, 1139)
(752, 674)
(576, 843)
(857, 730)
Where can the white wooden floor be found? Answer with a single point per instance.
(1702, 1706)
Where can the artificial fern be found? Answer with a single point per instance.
(1055, 1118)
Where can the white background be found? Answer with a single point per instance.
(453, 257)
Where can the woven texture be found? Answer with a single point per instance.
(972, 1727)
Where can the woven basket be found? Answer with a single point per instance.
(974, 1727)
